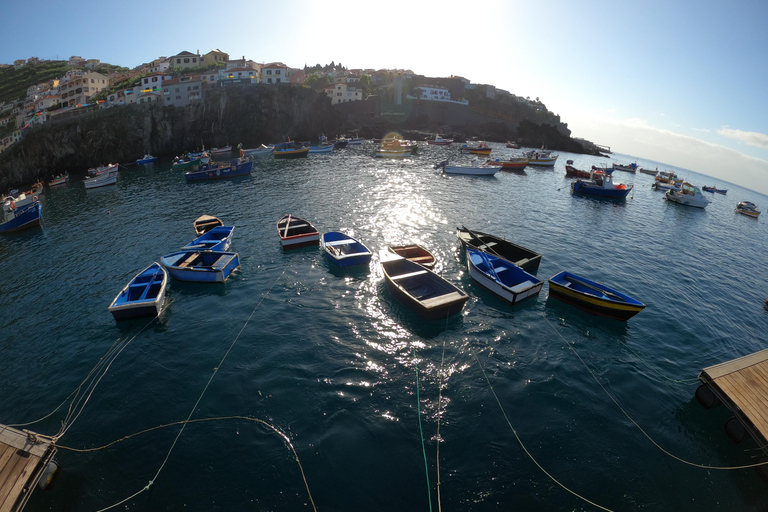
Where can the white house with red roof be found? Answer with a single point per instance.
(274, 73)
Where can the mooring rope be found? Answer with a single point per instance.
(192, 410)
(626, 414)
(520, 441)
(421, 432)
(437, 435)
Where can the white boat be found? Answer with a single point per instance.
(748, 208)
(540, 157)
(501, 277)
(328, 148)
(102, 180)
(393, 153)
(143, 296)
(688, 195)
(259, 151)
(489, 170)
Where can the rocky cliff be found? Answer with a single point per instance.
(230, 115)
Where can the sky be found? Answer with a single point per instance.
(681, 82)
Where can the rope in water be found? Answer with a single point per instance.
(437, 434)
(421, 432)
(520, 441)
(626, 414)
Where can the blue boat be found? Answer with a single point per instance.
(217, 239)
(343, 250)
(148, 159)
(592, 297)
(201, 266)
(216, 171)
(20, 213)
(501, 277)
(143, 296)
(321, 149)
(601, 185)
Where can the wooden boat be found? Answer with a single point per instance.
(652, 172)
(147, 159)
(497, 246)
(218, 238)
(512, 163)
(633, 167)
(688, 195)
(480, 149)
(20, 212)
(571, 171)
(414, 253)
(328, 148)
(103, 169)
(355, 141)
(501, 277)
(205, 223)
(215, 171)
(226, 150)
(103, 179)
(488, 170)
(439, 141)
(601, 185)
(513, 145)
(748, 208)
(420, 289)
(291, 153)
(143, 296)
(296, 232)
(201, 266)
(259, 151)
(343, 250)
(395, 153)
(540, 157)
(592, 297)
(61, 179)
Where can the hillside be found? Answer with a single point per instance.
(14, 82)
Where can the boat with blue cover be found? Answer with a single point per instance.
(328, 148)
(143, 296)
(218, 171)
(147, 159)
(501, 277)
(218, 238)
(601, 185)
(592, 297)
(201, 266)
(343, 250)
(20, 212)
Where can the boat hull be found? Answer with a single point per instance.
(143, 296)
(295, 233)
(593, 297)
(344, 251)
(524, 258)
(291, 153)
(102, 180)
(201, 266)
(511, 283)
(471, 171)
(216, 239)
(216, 172)
(205, 223)
(27, 217)
(586, 188)
(313, 150)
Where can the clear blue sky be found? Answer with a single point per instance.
(679, 82)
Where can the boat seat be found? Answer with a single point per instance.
(295, 226)
(340, 242)
(522, 262)
(485, 246)
(188, 261)
(441, 300)
(410, 274)
(420, 258)
(522, 286)
(499, 269)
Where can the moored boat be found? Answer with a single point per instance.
(143, 296)
(501, 277)
(524, 258)
(216, 171)
(601, 185)
(259, 151)
(592, 297)
(513, 145)
(296, 232)
(102, 179)
(205, 223)
(226, 150)
(571, 171)
(540, 157)
(414, 253)
(472, 170)
(293, 152)
(201, 266)
(343, 250)
(688, 195)
(218, 238)
(420, 289)
(481, 149)
(652, 172)
(61, 179)
(439, 141)
(748, 208)
(328, 148)
(511, 163)
(633, 167)
(146, 159)
(20, 212)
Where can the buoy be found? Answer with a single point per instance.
(50, 472)
(735, 430)
(707, 397)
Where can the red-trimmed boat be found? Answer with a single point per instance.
(296, 232)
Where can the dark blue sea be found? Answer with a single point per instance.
(536, 406)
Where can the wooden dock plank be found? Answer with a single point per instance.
(21, 486)
(23, 458)
(718, 370)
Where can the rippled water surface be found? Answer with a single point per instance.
(520, 397)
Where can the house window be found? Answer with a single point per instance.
(277, 80)
(177, 89)
(186, 61)
(178, 97)
(154, 79)
(277, 71)
(269, 80)
(146, 81)
(194, 59)
(269, 71)
(178, 61)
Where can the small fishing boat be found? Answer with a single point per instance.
(524, 258)
(259, 151)
(592, 297)
(715, 189)
(665, 185)
(633, 167)
(216, 171)
(540, 157)
(571, 171)
(748, 208)
(721, 191)
(328, 148)
(190, 161)
(226, 150)
(61, 179)
(652, 172)
(601, 185)
(513, 145)
(343, 250)
(476, 170)
(355, 141)
(512, 163)
(414, 253)
(480, 149)
(103, 169)
(688, 195)
(147, 159)
(143, 296)
(501, 277)
(420, 289)
(395, 153)
(201, 266)
(20, 212)
(296, 232)
(103, 179)
(291, 152)
(439, 141)
(205, 223)
(218, 238)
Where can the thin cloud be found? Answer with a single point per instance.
(756, 139)
(702, 130)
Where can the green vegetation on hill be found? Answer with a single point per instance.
(14, 82)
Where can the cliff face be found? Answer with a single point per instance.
(251, 115)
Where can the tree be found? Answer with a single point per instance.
(365, 83)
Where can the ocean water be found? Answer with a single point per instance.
(536, 406)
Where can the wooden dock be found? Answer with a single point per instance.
(23, 457)
(742, 385)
